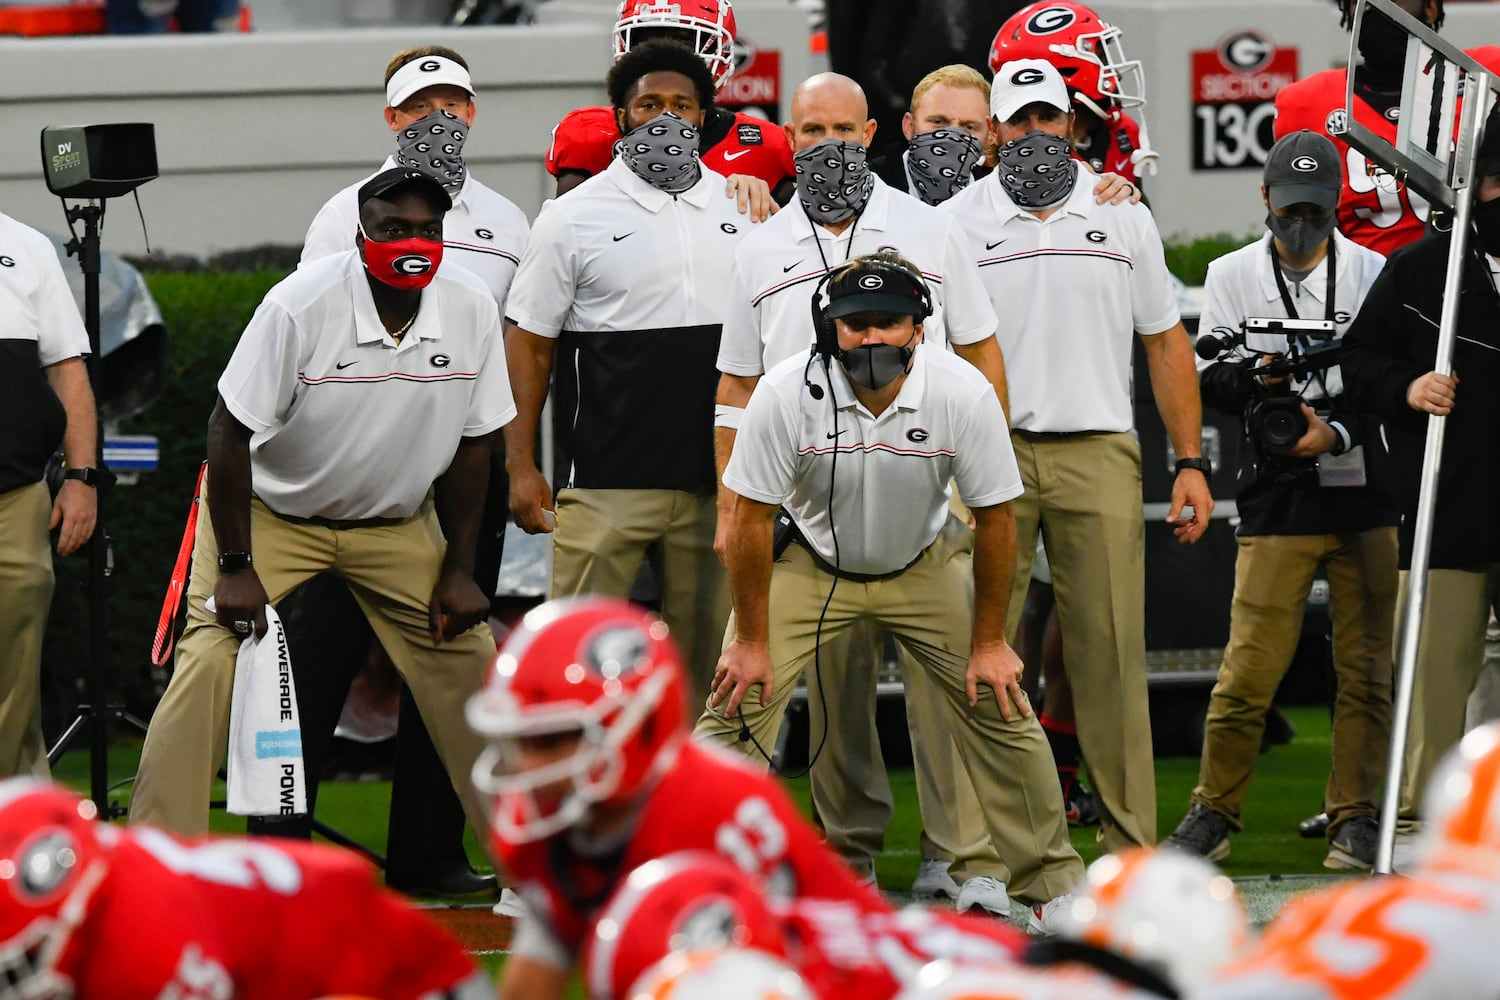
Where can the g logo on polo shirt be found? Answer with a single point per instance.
(1095, 236)
(1027, 77)
(439, 361)
(1305, 163)
(430, 66)
(484, 234)
(917, 435)
(7, 261)
(1049, 20)
(871, 282)
(728, 227)
(412, 263)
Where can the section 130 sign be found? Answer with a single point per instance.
(1234, 100)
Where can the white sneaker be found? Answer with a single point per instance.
(933, 882)
(1047, 918)
(510, 905)
(986, 893)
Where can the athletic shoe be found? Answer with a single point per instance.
(1354, 844)
(988, 894)
(1202, 832)
(1314, 827)
(1046, 918)
(510, 905)
(1078, 805)
(934, 883)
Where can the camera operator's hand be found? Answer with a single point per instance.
(1432, 393)
(741, 666)
(1190, 489)
(1261, 362)
(997, 665)
(1319, 439)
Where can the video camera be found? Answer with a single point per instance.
(1297, 349)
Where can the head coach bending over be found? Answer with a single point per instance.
(859, 441)
(351, 436)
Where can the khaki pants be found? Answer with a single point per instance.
(1273, 575)
(602, 537)
(391, 571)
(929, 609)
(1083, 493)
(1449, 658)
(25, 597)
(850, 790)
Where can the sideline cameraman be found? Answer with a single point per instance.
(1303, 504)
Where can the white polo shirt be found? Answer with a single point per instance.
(1241, 285)
(483, 232)
(777, 267)
(890, 499)
(633, 283)
(35, 300)
(346, 423)
(1073, 291)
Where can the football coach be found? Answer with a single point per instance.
(859, 441)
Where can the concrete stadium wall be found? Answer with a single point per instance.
(254, 132)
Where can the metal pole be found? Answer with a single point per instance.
(1432, 459)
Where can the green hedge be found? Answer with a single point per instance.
(205, 312)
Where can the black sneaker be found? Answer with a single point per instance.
(1314, 827)
(1202, 832)
(1078, 805)
(1353, 845)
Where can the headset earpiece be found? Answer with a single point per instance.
(825, 333)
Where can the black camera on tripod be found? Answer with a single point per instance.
(1266, 356)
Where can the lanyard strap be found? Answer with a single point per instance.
(161, 647)
(1286, 298)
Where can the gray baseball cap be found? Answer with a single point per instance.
(1303, 167)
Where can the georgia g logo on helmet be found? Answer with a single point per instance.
(412, 263)
(1050, 20)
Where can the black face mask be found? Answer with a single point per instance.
(876, 366)
(1486, 218)
(1300, 236)
(1382, 43)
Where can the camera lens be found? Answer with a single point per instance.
(1280, 424)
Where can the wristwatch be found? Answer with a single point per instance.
(1203, 465)
(87, 475)
(234, 562)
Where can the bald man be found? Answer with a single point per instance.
(847, 213)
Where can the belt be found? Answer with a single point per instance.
(844, 574)
(1058, 435)
(343, 525)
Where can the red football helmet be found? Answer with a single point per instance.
(690, 901)
(599, 681)
(1085, 50)
(711, 23)
(52, 858)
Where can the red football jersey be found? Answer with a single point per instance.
(1375, 209)
(733, 143)
(709, 800)
(240, 919)
(1108, 147)
(850, 952)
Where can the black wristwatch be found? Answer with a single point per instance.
(234, 562)
(87, 475)
(1203, 465)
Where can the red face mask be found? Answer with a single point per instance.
(408, 264)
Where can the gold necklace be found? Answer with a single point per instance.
(407, 325)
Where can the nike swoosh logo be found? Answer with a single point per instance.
(346, 364)
(991, 246)
(735, 156)
(619, 238)
(1122, 165)
(788, 268)
(832, 435)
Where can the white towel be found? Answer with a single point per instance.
(266, 774)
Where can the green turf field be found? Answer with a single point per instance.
(1287, 788)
